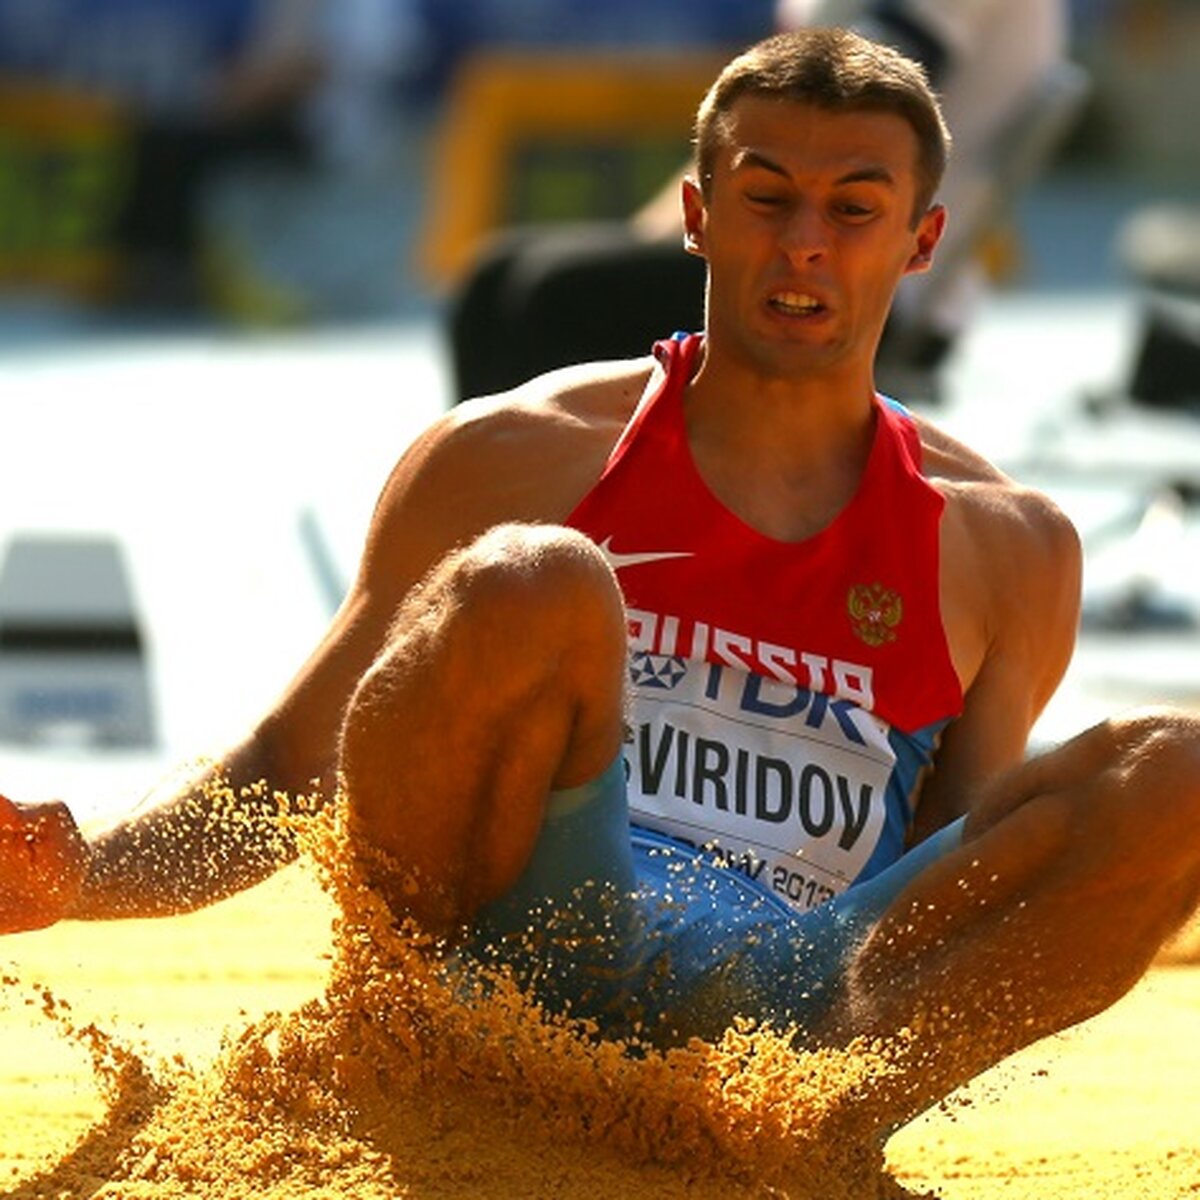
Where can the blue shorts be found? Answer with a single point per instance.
(646, 936)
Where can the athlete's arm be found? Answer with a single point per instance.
(184, 847)
(1021, 573)
(527, 457)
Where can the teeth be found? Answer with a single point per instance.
(796, 303)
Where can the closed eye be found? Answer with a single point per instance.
(854, 211)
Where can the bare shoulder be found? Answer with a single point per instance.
(526, 455)
(1011, 567)
(533, 452)
(990, 506)
(579, 404)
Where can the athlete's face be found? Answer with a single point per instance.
(808, 226)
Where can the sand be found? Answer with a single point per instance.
(249, 1050)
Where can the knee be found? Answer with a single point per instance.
(523, 609)
(523, 549)
(1116, 809)
(1162, 769)
(1156, 757)
(1136, 819)
(1148, 752)
(1157, 730)
(545, 580)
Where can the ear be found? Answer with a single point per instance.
(694, 217)
(929, 232)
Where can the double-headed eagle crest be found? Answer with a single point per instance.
(875, 611)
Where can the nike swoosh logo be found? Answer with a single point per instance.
(616, 560)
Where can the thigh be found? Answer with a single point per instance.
(570, 929)
(503, 677)
(653, 939)
(721, 946)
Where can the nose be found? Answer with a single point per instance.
(805, 235)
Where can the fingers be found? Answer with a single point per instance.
(16, 835)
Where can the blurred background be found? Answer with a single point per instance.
(236, 242)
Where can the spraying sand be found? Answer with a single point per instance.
(362, 1070)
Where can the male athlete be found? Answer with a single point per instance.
(729, 593)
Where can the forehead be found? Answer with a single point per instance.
(803, 140)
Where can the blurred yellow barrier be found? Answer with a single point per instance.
(63, 174)
(529, 138)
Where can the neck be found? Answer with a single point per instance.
(786, 456)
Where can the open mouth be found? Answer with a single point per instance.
(795, 304)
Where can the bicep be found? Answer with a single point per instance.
(463, 475)
(297, 740)
(432, 502)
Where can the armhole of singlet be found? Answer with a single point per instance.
(914, 451)
(674, 354)
(904, 422)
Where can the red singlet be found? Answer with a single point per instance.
(787, 696)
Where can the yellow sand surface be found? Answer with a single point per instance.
(1110, 1110)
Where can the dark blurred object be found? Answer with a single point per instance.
(540, 299)
(540, 159)
(1160, 247)
(159, 229)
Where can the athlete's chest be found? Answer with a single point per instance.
(852, 612)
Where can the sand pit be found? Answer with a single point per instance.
(251, 1050)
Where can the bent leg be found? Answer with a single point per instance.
(502, 680)
(1073, 871)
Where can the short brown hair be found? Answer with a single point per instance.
(837, 70)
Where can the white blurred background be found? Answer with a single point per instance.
(213, 378)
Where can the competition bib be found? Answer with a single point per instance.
(782, 782)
